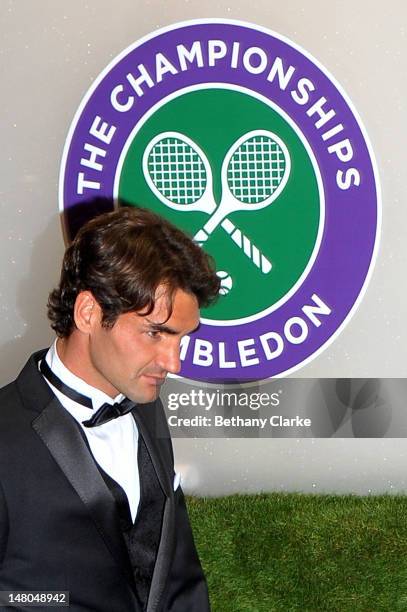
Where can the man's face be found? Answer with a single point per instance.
(136, 354)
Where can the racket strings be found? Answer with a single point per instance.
(256, 169)
(177, 171)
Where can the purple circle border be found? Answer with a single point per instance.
(350, 240)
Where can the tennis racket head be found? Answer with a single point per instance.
(178, 172)
(256, 169)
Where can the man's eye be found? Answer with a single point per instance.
(153, 333)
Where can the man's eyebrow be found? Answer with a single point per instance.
(161, 327)
(166, 329)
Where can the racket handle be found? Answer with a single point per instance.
(242, 241)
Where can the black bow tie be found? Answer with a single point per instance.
(106, 413)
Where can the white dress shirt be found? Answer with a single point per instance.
(114, 444)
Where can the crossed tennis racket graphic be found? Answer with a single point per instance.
(254, 172)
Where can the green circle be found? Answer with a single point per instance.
(284, 231)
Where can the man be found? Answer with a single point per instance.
(89, 501)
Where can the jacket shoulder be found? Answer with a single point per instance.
(23, 398)
(9, 399)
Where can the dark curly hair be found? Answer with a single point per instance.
(122, 257)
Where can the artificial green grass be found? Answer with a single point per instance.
(288, 552)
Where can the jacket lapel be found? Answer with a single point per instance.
(145, 416)
(60, 433)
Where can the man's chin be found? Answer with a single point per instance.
(148, 394)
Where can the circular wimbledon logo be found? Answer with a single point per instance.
(245, 142)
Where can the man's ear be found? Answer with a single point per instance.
(87, 312)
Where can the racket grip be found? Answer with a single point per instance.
(248, 248)
(242, 241)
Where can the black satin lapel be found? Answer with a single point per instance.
(59, 433)
(164, 556)
(144, 415)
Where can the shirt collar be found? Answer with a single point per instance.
(97, 396)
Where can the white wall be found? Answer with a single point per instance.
(51, 51)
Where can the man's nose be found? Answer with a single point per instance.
(169, 359)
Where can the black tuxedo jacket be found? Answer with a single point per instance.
(59, 528)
